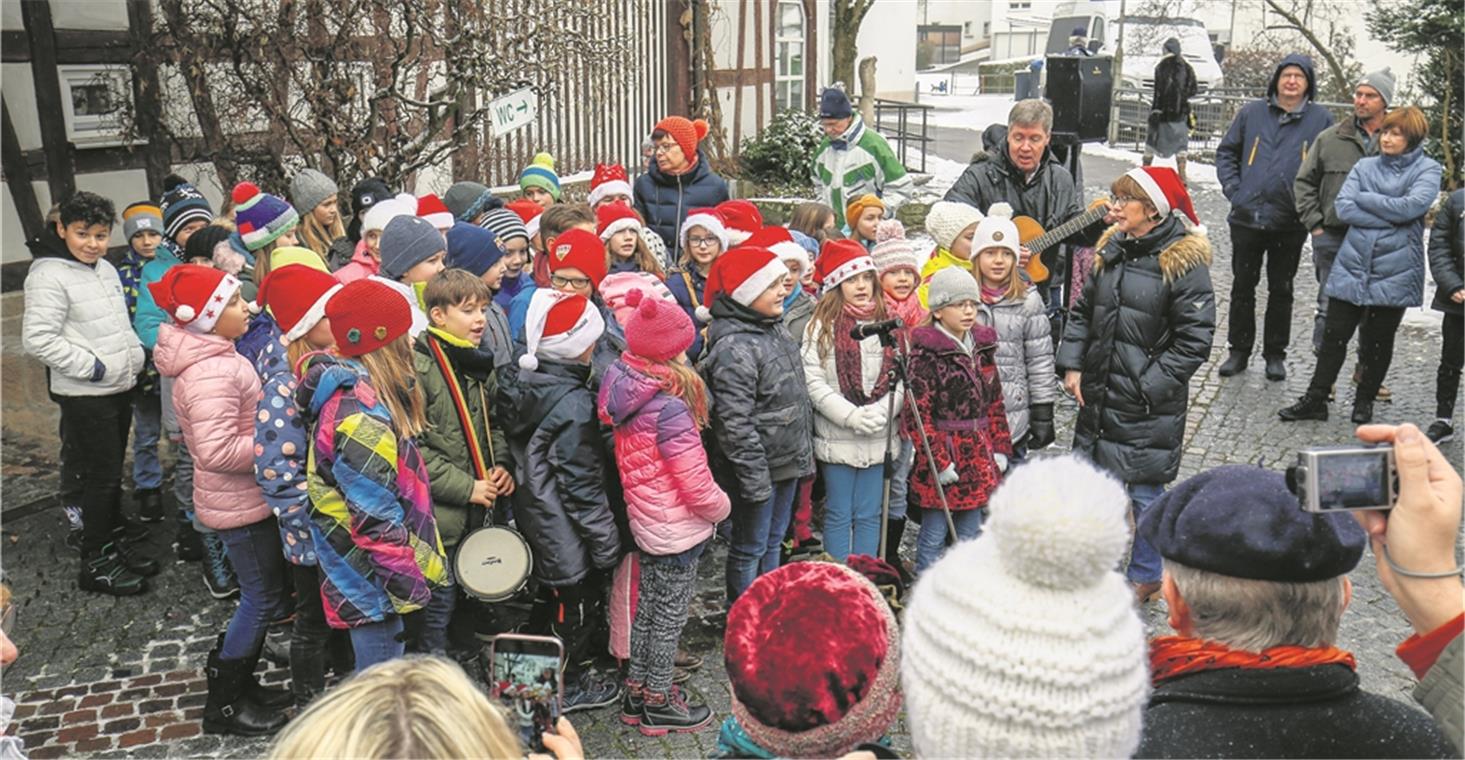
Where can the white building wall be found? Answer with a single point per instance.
(889, 33)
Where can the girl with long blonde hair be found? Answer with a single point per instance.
(626, 250)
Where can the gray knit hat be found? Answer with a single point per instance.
(949, 286)
(310, 188)
(505, 224)
(466, 200)
(1383, 81)
(406, 242)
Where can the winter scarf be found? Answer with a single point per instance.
(910, 312)
(847, 358)
(1174, 656)
(449, 351)
(993, 295)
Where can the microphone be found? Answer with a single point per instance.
(861, 332)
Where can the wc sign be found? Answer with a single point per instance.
(512, 111)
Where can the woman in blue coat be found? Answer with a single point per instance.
(1379, 271)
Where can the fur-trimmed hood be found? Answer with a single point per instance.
(1180, 253)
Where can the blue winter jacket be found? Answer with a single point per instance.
(281, 443)
(149, 316)
(1258, 158)
(1383, 202)
(663, 200)
(689, 300)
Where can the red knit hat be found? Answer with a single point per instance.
(579, 249)
(686, 133)
(559, 326)
(778, 240)
(840, 260)
(366, 315)
(194, 295)
(528, 211)
(657, 330)
(432, 208)
(615, 217)
(1167, 192)
(609, 179)
(742, 219)
(296, 297)
(741, 274)
(813, 655)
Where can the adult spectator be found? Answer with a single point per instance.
(677, 181)
(1379, 271)
(1256, 163)
(854, 160)
(1078, 43)
(1448, 267)
(1175, 85)
(1256, 587)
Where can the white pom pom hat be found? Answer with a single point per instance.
(996, 230)
(560, 326)
(195, 296)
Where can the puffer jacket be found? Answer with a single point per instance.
(796, 315)
(149, 317)
(497, 341)
(379, 550)
(687, 286)
(1258, 159)
(1142, 327)
(663, 200)
(1383, 202)
(560, 503)
(361, 266)
(281, 442)
(1446, 257)
(1049, 196)
(75, 322)
(671, 498)
(1024, 356)
(1321, 176)
(835, 442)
(215, 393)
(858, 162)
(761, 415)
(445, 443)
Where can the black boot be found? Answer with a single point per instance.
(149, 505)
(894, 532)
(256, 692)
(1362, 412)
(672, 713)
(188, 543)
(1234, 364)
(136, 560)
(1276, 368)
(106, 573)
(227, 710)
(1309, 407)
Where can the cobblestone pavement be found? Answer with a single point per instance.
(116, 677)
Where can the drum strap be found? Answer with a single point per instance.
(460, 406)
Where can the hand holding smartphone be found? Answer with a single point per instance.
(527, 679)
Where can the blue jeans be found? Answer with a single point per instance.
(1144, 561)
(931, 543)
(259, 562)
(437, 613)
(756, 534)
(900, 481)
(851, 509)
(377, 642)
(147, 425)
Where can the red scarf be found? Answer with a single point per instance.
(1173, 656)
(993, 295)
(910, 311)
(849, 360)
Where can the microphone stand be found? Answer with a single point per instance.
(899, 371)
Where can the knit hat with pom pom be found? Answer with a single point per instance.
(685, 133)
(559, 326)
(657, 330)
(540, 173)
(996, 230)
(946, 220)
(259, 217)
(1046, 657)
(194, 296)
(893, 252)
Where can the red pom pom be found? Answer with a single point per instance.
(244, 191)
(700, 128)
(633, 298)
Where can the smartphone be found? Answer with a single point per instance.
(526, 677)
(1334, 479)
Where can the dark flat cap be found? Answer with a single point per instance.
(1242, 521)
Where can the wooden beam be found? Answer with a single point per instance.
(811, 55)
(60, 173)
(742, 77)
(93, 46)
(14, 47)
(18, 176)
(678, 57)
(146, 96)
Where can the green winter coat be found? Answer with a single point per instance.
(1323, 171)
(444, 445)
(858, 162)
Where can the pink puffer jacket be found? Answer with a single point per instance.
(671, 499)
(215, 393)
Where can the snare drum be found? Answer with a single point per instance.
(493, 563)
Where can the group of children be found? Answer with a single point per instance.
(352, 397)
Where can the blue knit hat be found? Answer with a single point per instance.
(260, 217)
(406, 242)
(182, 204)
(540, 173)
(834, 104)
(472, 248)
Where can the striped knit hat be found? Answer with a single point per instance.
(182, 205)
(261, 217)
(505, 224)
(540, 173)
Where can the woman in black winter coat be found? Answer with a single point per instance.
(1446, 240)
(1142, 327)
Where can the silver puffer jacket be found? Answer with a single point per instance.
(1024, 356)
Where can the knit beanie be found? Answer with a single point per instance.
(310, 188)
(709, 219)
(194, 296)
(1046, 655)
(559, 326)
(893, 252)
(996, 230)
(813, 656)
(540, 173)
(203, 243)
(466, 200)
(1383, 81)
(289, 255)
(686, 134)
(947, 219)
(581, 250)
(741, 218)
(608, 180)
(366, 315)
(182, 205)
(616, 217)
(840, 260)
(657, 329)
(834, 103)
(528, 212)
(259, 217)
(857, 206)
(367, 193)
(951, 285)
(143, 216)
(472, 248)
(505, 224)
(296, 297)
(386, 209)
(741, 274)
(406, 242)
(616, 288)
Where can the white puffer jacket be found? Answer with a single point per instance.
(1024, 356)
(834, 441)
(74, 316)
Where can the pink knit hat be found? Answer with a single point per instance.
(657, 330)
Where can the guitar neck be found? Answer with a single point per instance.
(1054, 236)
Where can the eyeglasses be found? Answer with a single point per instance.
(560, 282)
(1122, 200)
(666, 147)
(702, 242)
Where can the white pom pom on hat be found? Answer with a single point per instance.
(184, 313)
(1000, 210)
(703, 314)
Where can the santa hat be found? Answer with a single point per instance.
(894, 252)
(616, 217)
(259, 217)
(709, 219)
(608, 180)
(367, 315)
(741, 274)
(996, 230)
(742, 219)
(528, 211)
(579, 249)
(194, 295)
(778, 240)
(1167, 192)
(840, 260)
(432, 208)
(296, 297)
(387, 209)
(559, 326)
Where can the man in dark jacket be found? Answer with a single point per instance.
(677, 181)
(1256, 163)
(1256, 587)
(1448, 268)
(1175, 85)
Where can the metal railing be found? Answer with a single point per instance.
(1214, 112)
(904, 132)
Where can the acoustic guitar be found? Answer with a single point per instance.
(1032, 235)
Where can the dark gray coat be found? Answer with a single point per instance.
(761, 414)
(1445, 261)
(1142, 327)
(1049, 197)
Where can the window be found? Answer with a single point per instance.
(937, 44)
(788, 56)
(95, 99)
(1021, 5)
